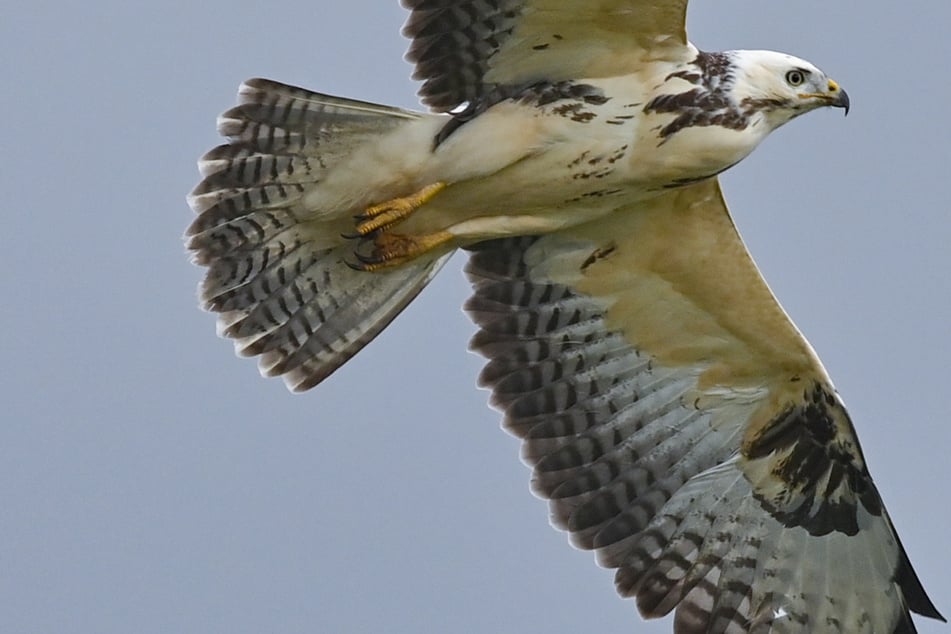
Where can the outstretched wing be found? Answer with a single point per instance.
(682, 427)
(464, 49)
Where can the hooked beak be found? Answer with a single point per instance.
(834, 96)
(840, 98)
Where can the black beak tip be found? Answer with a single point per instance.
(842, 101)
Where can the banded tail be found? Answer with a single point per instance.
(277, 270)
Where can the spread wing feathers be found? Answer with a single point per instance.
(276, 269)
(464, 48)
(670, 430)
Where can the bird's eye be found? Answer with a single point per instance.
(795, 77)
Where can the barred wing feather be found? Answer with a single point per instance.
(464, 49)
(683, 429)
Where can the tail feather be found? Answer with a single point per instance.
(281, 142)
(277, 270)
(276, 118)
(348, 321)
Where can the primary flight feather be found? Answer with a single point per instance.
(677, 420)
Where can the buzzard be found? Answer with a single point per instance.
(678, 422)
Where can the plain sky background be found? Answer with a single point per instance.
(151, 482)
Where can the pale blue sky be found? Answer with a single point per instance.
(150, 482)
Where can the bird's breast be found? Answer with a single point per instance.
(690, 155)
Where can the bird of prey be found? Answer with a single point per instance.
(678, 422)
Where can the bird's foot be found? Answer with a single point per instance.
(388, 213)
(393, 249)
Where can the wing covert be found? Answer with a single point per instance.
(465, 49)
(683, 429)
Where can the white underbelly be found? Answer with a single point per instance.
(518, 160)
(531, 167)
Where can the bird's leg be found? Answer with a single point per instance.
(388, 249)
(392, 249)
(388, 213)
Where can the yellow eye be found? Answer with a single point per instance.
(795, 77)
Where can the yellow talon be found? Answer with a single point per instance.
(393, 249)
(392, 211)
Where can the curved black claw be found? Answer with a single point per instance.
(368, 259)
(355, 266)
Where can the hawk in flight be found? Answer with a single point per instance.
(678, 422)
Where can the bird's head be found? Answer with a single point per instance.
(781, 86)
